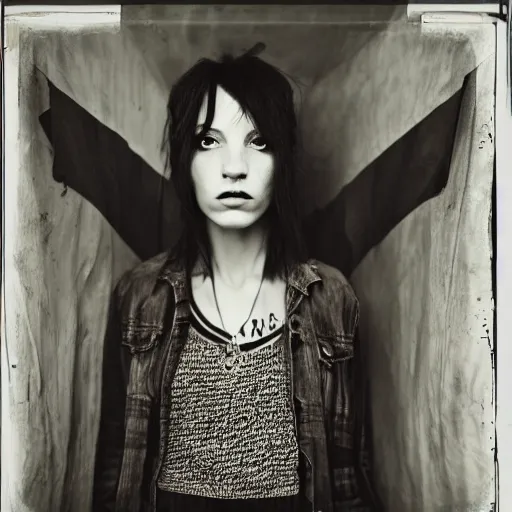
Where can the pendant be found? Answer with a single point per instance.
(232, 353)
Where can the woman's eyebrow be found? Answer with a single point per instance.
(200, 127)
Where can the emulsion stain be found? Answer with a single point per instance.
(20, 263)
(46, 227)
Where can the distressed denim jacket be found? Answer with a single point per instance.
(147, 330)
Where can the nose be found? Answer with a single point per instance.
(235, 166)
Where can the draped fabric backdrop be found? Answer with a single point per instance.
(396, 121)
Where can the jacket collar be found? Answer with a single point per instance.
(301, 276)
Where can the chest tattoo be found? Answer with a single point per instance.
(260, 326)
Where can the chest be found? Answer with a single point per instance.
(252, 311)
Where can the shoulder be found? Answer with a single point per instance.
(333, 281)
(138, 283)
(335, 306)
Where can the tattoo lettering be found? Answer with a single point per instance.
(256, 329)
(258, 326)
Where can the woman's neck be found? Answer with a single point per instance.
(237, 255)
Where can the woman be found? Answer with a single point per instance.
(230, 378)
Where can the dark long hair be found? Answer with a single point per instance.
(266, 97)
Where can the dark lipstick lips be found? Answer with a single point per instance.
(240, 195)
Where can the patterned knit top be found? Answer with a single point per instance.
(231, 429)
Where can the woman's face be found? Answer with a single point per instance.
(232, 170)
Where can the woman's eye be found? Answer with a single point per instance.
(208, 142)
(259, 143)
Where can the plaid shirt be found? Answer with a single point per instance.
(149, 320)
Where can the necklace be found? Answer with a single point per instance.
(233, 347)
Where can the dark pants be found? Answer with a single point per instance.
(174, 502)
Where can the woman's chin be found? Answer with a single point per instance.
(235, 220)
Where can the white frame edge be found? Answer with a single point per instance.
(63, 15)
(423, 12)
(503, 299)
(477, 8)
(30, 10)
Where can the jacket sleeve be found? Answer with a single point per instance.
(351, 451)
(110, 442)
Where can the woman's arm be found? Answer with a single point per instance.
(413, 170)
(110, 444)
(351, 438)
(97, 163)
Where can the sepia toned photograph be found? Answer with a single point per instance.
(249, 259)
